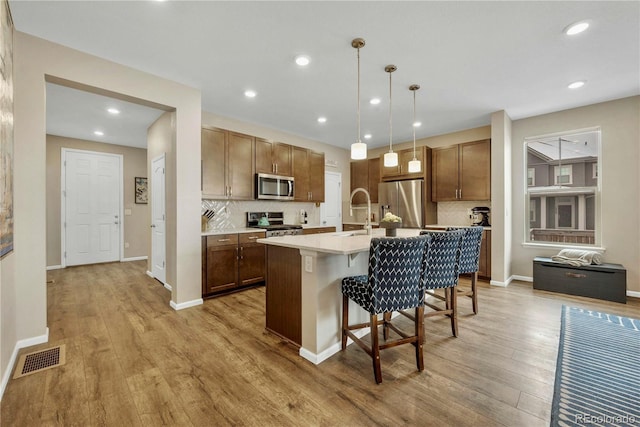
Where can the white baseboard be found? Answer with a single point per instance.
(54, 267)
(501, 284)
(150, 274)
(522, 278)
(316, 359)
(633, 294)
(183, 305)
(168, 287)
(134, 258)
(20, 345)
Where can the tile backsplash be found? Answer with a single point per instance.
(456, 213)
(232, 214)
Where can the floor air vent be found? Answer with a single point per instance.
(39, 361)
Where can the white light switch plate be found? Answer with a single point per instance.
(308, 264)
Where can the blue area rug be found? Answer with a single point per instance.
(598, 370)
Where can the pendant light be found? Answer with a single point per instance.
(390, 158)
(414, 165)
(358, 148)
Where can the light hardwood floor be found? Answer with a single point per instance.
(132, 360)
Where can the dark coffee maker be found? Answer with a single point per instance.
(480, 216)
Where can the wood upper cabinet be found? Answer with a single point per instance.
(308, 173)
(224, 165)
(365, 174)
(316, 176)
(402, 170)
(273, 157)
(462, 172)
(231, 261)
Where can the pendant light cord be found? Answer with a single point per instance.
(413, 125)
(358, 95)
(390, 117)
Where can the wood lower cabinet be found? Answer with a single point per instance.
(356, 227)
(284, 293)
(232, 261)
(484, 268)
(318, 230)
(462, 172)
(225, 174)
(365, 174)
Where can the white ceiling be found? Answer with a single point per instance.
(470, 58)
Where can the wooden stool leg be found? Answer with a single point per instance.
(375, 348)
(419, 325)
(386, 317)
(474, 290)
(454, 311)
(345, 320)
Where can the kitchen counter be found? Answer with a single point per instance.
(218, 231)
(447, 226)
(304, 277)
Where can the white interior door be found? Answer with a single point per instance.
(331, 209)
(92, 195)
(158, 248)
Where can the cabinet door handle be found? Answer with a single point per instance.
(230, 191)
(241, 252)
(252, 237)
(575, 275)
(224, 240)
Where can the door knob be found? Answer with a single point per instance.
(153, 226)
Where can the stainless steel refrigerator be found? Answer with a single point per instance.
(404, 199)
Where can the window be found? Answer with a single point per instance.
(563, 175)
(531, 177)
(563, 188)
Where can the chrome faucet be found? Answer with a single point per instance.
(367, 223)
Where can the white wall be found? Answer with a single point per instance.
(34, 61)
(620, 124)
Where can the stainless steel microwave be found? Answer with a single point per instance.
(274, 187)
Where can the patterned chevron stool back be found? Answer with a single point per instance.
(443, 259)
(395, 280)
(470, 249)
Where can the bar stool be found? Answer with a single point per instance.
(395, 282)
(470, 260)
(442, 273)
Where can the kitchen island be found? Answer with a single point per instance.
(304, 275)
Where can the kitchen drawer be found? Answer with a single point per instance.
(251, 237)
(604, 281)
(222, 240)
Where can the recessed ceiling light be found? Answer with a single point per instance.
(98, 132)
(250, 93)
(374, 101)
(576, 28)
(322, 119)
(367, 136)
(113, 110)
(417, 124)
(576, 85)
(302, 60)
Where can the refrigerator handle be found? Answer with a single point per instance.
(383, 211)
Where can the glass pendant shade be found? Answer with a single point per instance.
(415, 166)
(358, 151)
(390, 159)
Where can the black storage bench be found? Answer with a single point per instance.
(604, 281)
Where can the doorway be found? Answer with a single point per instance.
(158, 220)
(331, 209)
(91, 184)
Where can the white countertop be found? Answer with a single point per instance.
(449, 225)
(215, 232)
(342, 243)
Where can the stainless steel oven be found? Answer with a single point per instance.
(274, 187)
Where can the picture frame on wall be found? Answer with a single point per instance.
(142, 190)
